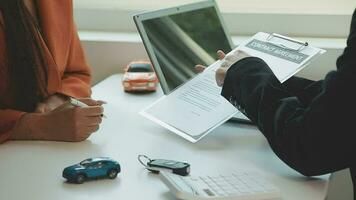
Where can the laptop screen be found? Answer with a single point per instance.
(182, 40)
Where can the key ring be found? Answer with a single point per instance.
(140, 157)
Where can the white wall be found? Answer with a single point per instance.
(251, 6)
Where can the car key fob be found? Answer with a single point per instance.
(157, 165)
(176, 167)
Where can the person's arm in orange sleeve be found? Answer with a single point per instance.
(75, 83)
(77, 75)
(8, 119)
(75, 80)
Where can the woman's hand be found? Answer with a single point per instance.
(65, 123)
(230, 59)
(51, 103)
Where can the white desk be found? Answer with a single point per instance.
(33, 170)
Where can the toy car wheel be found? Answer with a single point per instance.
(80, 178)
(112, 173)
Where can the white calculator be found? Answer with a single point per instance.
(234, 186)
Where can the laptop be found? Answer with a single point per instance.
(176, 39)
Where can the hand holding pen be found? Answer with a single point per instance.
(78, 103)
(73, 121)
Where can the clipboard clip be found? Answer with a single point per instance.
(274, 35)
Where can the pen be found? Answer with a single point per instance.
(77, 103)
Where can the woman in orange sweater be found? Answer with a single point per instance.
(42, 64)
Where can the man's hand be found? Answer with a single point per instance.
(201, 68)
(230, 59)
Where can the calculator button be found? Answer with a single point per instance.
(208, 192)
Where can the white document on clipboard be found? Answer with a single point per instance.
(285, 56)
(196, 108)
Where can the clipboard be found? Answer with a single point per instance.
(284, 56)
(275, 35)
(190, 110)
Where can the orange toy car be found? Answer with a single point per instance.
(139, 76)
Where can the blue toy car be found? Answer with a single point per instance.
(92, 168)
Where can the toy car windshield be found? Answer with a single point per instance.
(85, 162)
(140, 68)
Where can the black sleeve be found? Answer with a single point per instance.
(304, 89)
(313, 137)
(348, 58)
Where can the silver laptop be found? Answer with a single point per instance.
(176, 39)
